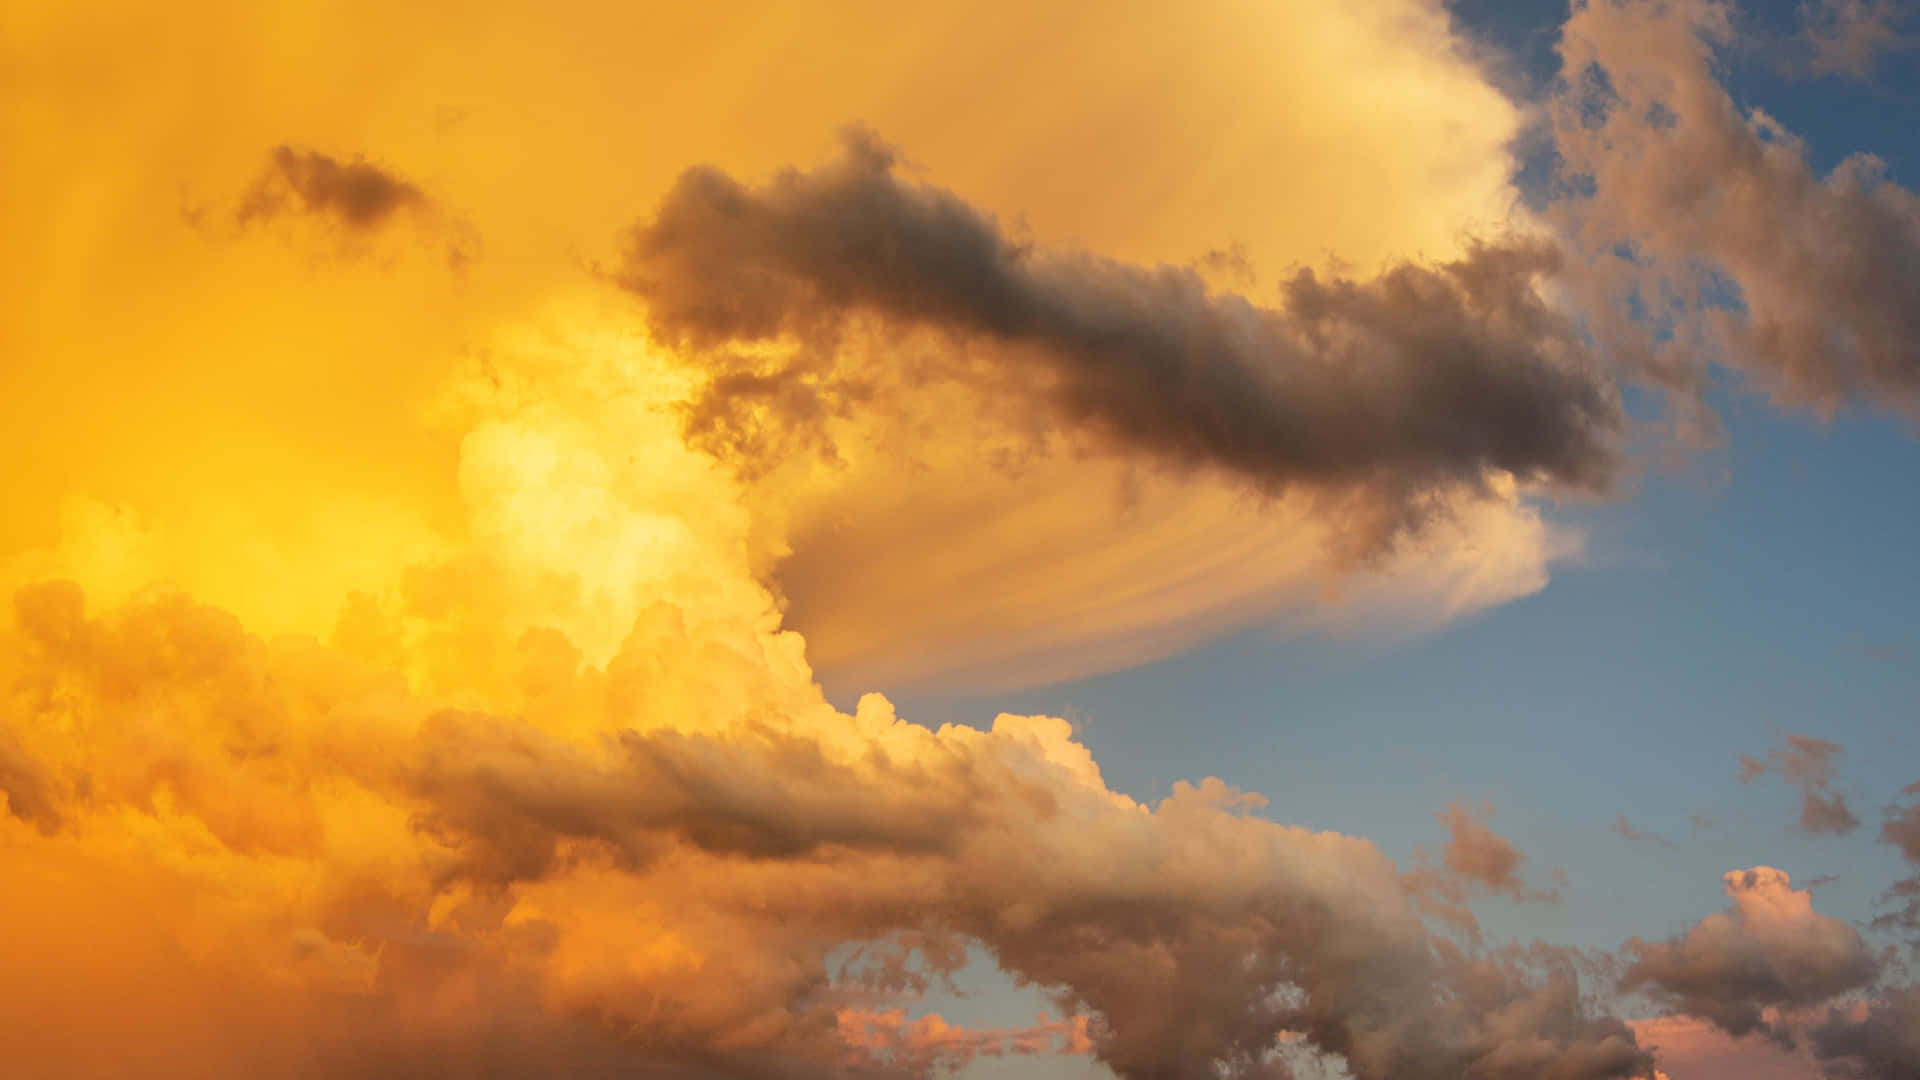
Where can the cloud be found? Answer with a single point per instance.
(355, 194)
(567, 796)
(1902, 827)
(1475, 859)
(1690, 1049)
(1478, 855)
(1191, 143)
(1031, 559)
(1881, 1042)
(1385, 395)
(475, 738)
(928, 1045)
(1707, 222)
(1848, 37)
(1770, 949)
(1807, 763)
(664, 889)
(1625, 828)
(26, 789)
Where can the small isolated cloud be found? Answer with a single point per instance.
(1625, 828)
(355, 194)
(1475, 859)
(1807, 763)
(1848, 37)
(351, 201)
(1769, 950)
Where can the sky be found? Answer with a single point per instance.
(1249, 539)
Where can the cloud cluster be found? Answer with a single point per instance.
(1387, 394)
(1626, 829)
(1881, 1044)
(1879, 1038)
(1902, 829)
(569, 795)
(1474, 860)
(1848, 37)
(669, 888)
(1705, 235)
(1769, 950)
(560, 793)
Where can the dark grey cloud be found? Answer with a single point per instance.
(356, 194)
(1848, 37)
(1393, 391)
(1705, 235)
(1884, 1044)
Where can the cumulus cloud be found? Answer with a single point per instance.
(1770, 949)
(1706, 235)
(1807, 763)
(1390, 393)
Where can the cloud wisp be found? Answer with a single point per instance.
(1807, 763)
